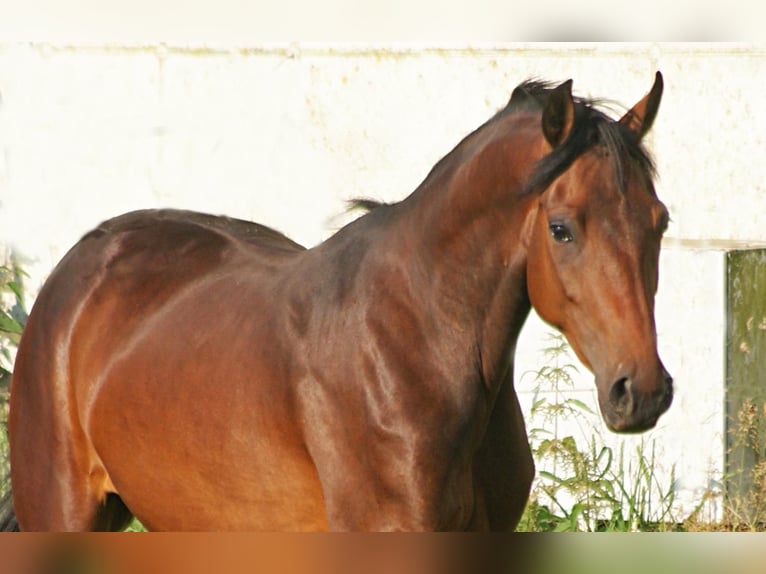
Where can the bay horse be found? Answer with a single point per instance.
(207, 373)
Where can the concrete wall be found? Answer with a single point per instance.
(283, 135)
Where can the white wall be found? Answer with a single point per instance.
(283, 135)
(243, 22)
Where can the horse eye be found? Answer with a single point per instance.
(560, 233)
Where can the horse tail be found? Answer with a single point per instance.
(8, 522)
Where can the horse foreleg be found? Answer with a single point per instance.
(503, 466)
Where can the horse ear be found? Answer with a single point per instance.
(558, 115)
(641, 116)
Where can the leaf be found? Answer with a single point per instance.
(10, 325)
(552, 477)
(563, 527)
(537, 404)
(604, 452)
(16, 288)
(580, 405)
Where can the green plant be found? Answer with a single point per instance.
(740, 493)
(582, 483)
(746, 502)
(13, 316)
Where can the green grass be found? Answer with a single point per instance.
(582, 484)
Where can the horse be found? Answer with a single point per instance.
(201, 372)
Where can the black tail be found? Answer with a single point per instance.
(8, 522)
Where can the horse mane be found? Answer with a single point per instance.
(365, 204)
(592, 127)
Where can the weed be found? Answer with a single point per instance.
(582, 483)
(13, 316)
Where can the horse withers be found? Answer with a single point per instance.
(207, 373)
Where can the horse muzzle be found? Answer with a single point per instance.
(628, 408)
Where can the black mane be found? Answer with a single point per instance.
(592, 127)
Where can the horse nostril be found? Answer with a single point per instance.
(621, 395)
(634, 408)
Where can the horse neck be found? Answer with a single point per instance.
(467, 223)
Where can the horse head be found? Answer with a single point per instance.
(593, 243)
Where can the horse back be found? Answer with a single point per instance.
(129, 268)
